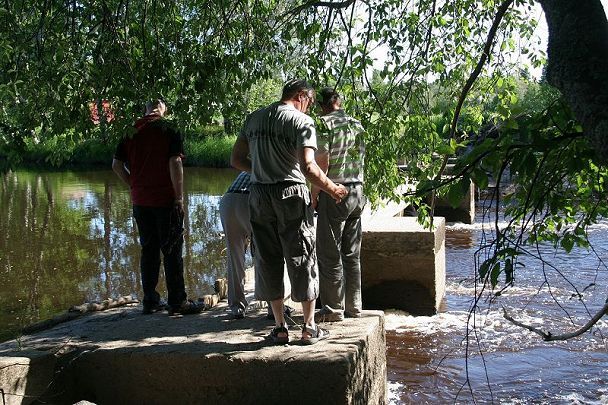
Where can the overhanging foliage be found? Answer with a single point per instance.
(429, 79)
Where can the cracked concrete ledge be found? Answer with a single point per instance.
(121, 356)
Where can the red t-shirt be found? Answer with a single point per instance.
(147, 155)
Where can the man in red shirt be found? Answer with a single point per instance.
(150, 163)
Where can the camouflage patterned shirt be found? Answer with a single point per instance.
(342, 137)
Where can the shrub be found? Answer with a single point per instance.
(209, 152)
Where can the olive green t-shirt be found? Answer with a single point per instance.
(275, 135)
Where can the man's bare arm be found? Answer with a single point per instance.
(322, 159)
(176, 169)
(317, 177)
(239, 158)
(118, 166)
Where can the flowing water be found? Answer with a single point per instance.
(68, 237)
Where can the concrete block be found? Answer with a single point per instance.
(210, 359)
(354, 374)
(25, 375)
(464, 213)
(403, 265)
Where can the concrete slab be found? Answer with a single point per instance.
(464, 213)
(403, 265)
(122, 356)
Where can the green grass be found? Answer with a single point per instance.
(209, 152)
(209, 147)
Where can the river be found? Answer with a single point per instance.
(68, 237)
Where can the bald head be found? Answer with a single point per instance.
(157, 106)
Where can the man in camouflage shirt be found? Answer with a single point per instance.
(341, 154)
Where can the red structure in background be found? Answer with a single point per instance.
(107, 111)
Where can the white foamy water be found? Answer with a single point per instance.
(430, 357)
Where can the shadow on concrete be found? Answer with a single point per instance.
(123, 356)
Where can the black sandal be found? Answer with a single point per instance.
(274, 335)
(317, 333)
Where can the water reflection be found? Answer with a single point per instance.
(69, 237)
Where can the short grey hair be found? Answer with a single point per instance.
(294, 86)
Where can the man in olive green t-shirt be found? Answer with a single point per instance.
(277, 145)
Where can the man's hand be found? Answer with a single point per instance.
(179, 206)
(314, 195)
(339, 193)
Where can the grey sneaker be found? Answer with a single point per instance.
(328, 314)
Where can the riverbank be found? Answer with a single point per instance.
(210, 148)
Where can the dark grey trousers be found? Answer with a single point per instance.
(283, 233)
(339, 250)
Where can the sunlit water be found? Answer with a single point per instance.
(68, 237)
(444, 359)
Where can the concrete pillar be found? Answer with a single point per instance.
(403, 265)
(465, 212)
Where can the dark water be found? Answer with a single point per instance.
(68, 237)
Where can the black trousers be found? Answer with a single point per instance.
(157, 233)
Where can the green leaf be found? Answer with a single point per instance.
(567, 243)
(445, 149)
(508, 271)
(480, 178)
(483, 269)
(494, 275)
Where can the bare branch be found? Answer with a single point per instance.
(315, 3)
(548, 336)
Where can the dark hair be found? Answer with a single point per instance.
(293, 87)
(327, 96)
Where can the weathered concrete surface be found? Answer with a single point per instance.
(121, 356)
(403, 265)
(25, 375)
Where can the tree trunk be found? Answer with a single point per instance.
(578, 63)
